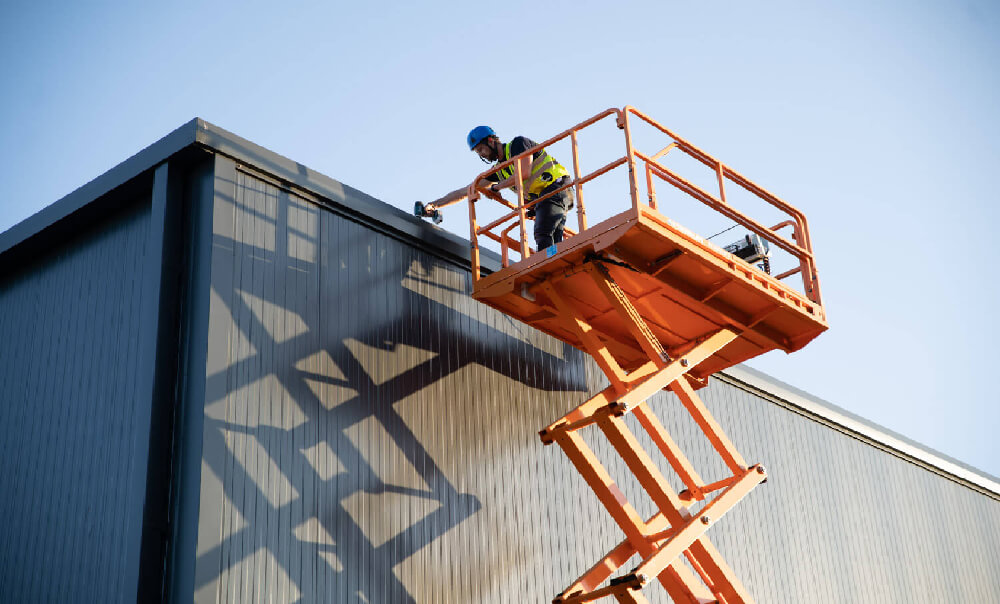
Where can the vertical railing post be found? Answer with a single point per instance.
(811, 281)
(633, 188)
(581, 213)
(650, 187)
(722, 180)
(520, 207)
(473, 233)
(805, 269)
(809, 278)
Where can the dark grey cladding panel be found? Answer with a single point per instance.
(69, 342)
(371, 435)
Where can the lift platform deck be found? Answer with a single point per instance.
(684, 287)
(658, 307)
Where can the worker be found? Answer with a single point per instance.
(544, 175)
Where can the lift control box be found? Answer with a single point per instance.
(751, 248)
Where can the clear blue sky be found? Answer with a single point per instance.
(878, 119)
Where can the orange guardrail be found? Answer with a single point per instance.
(800, 245)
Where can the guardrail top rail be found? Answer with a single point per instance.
(515, 217)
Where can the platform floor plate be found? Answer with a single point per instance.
(684, 287)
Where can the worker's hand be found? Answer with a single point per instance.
(428, 210)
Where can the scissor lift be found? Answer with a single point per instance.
(657, 307)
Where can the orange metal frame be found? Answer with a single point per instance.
(657, 307)
(675, 531)
(799, 247)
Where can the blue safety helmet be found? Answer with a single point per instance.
(478, 134)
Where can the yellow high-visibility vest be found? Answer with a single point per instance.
(540, 178)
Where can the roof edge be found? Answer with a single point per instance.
(815, 407)
(381, 215)
(202, 134)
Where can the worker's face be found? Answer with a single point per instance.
(485, 150)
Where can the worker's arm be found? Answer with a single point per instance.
(455, 196)
(527, 169)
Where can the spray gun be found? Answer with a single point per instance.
(421, 211)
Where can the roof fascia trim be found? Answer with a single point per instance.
(364, 207)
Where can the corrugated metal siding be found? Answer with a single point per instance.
(371, 435)
(842, 521)
(69, 334)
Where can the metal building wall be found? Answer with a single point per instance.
(352, 427)
(70, 337)
(370, 436)
(841, 520)
(367, 423)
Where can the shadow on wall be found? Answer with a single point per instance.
(348, 407)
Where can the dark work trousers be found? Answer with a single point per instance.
(550, 219)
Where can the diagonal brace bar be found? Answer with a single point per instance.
(695, 527)
(701, 553)
(680, 583)
(660, 379)
(631, 596)
(644, 469)
(585, 332)
(675, 457)
(645, 337)
(641, 388)
(709, 426)
(723, 580)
